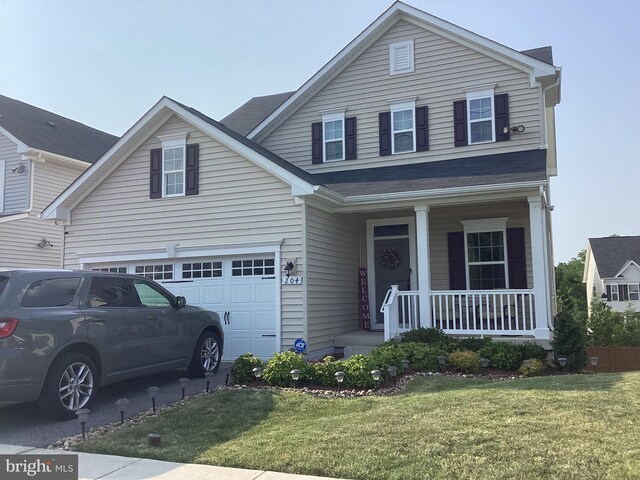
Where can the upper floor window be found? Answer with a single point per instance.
(174, 167)
(173, 170)
(401, 57)
(481, 116)
(333, 136)
(615, 295)
(403, 127)
(634, 292)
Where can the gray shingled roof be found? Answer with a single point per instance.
(249, 115)
(465, 172)
(611, 253)
(53, 133)
(544, 54)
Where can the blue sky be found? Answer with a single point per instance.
(105, 63)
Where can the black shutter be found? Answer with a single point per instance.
(608, 293)
(457, 266)
(191, 170)
(624, 292)
(316, 142)
(351, 145)
(155, 176)
(422, 129)
(460, 123)
(501, 105)
(384, 122)
(516, 259)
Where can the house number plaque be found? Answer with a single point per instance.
(292, 280)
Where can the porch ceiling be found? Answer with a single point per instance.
(505, 168)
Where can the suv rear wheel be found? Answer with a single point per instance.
(206, 355)
(71, 384)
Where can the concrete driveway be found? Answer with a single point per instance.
(24, 425)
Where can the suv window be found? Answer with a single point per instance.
(51, 292)
(150, 296)
(110, 292)
(3, 283)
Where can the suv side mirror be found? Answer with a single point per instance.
(180, 302)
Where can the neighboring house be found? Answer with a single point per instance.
(420, 156)
(612, 272)
(41, 153)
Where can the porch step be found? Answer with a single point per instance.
(359, 339)
(357, 350)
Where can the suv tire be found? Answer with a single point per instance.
(71, 384)
(206, 355)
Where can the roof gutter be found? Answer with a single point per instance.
(43, 156)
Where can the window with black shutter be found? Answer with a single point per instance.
(173, 169)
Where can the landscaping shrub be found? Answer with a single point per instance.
(502, 355)
(278, 369)
(323, 372)
(387, 355)
(570, 340)
(474, 344)
(425, 357)
(533, 370)
(609, 328)
(357, 371)
(465, 361)
(430, 336)
(242, 369)
(532, 350)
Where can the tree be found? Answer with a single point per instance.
(571, 292)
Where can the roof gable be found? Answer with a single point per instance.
(528, 62)
(43, 130)
(614, 254)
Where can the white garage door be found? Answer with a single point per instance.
(242, 290)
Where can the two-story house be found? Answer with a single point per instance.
(612, 271)
(405, 184)
(41, 153)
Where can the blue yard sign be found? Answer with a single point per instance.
(300, 345)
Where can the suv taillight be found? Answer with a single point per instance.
(7, 326)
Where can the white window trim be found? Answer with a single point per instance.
(616, 293)
(637, 292)
(486, 225)
(332, 117)
(393, 47)
(3, 164)
(475, 95)
(399, 107)
(170, 142)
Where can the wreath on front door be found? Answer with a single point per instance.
(390, 259)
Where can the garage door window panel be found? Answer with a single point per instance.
(155, 272)
(252, 267)
(207, 269)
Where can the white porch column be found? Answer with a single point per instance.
(540, 287)
(424, 273)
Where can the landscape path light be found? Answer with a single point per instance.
(405, 364)
(594, 364)
(375, 374)
(83, 416)
(209, 377)
(183, 385)
(442, 360)
(153, 393)
(563, 362)
(339, 378)
(484, 362)
(393, 371)
(122, 404)
(295, 375)
(257, 372)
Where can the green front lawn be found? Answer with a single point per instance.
(582, 427)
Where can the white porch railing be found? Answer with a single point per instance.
(460, 312)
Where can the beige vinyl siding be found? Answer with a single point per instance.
(443, 69)
(238, 203)
(19, 239)
(445, 220)
(332, 276)
(16, 185)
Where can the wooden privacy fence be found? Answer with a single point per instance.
(614, 359)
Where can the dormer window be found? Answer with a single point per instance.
(333, 136)
(401, 57)
(174, 167)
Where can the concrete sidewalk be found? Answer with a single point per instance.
(92, 466)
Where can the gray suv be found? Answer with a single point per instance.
(64, 333)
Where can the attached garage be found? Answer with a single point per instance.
(243, 290)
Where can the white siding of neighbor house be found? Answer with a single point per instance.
(332, 276)
(594, 284)
(442, 70)
(16, 185)
(238, 202)
(19, 239)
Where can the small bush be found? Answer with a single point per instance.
(242, 369)
(613, 328)
(323, 373)
(475, 344)
(387, 355)
(532, 350)
(357, 371)
(278, 369)
(533, 370)
(502, 355)
(570, 340)
(425, 357)
(465, 361)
